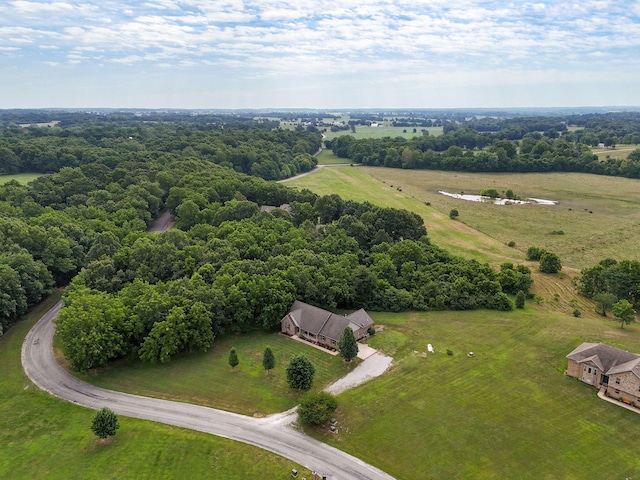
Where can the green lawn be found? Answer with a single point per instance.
(43, 437)
(509, 412)
(327, 157)
(207, 379)
(22, 178)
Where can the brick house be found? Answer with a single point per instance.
(321, 326)
(602, 366)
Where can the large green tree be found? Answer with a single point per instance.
(300, 373)
(623, 312)
(347, 345)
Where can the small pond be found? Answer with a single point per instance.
(498, 201)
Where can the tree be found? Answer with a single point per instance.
(316, 408)
(623, 312)
(520, 298)
(534, 253)
(347, 345)
(453, 214)
(604, 302)
(105, 423)
(268, 360)
(300, 373)
(233, 358)
(550, 263)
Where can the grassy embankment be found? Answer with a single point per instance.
(43, 437)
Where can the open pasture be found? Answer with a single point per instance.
(598, 214)
(620, 152)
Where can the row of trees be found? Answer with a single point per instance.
(531, 154)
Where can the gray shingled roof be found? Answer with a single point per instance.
(608, 359)
(323, 323)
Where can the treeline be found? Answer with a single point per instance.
(255, 148)
(618, 279)
(463, 149)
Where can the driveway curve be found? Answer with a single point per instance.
(269, 433)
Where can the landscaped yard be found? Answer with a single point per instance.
(508, 412)
(43, 437)
(207, 379)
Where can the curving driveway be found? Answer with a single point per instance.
(270, 433)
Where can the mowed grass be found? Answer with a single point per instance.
(43, 437)
(327, 157)
(22, 178)
(509, 412)
(207, 379)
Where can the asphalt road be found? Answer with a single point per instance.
(270, 433)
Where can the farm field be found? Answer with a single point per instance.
(327, 157)
(384, 131)
(207, 379)
(22, 178)
(620, 152)
(597, 214)
(43, 437)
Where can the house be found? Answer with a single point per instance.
(322, 327)
(602, 366)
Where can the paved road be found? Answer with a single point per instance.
(270, 433)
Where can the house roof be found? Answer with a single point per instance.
(322, 322)
(608, 359)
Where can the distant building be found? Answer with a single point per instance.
(602, 366)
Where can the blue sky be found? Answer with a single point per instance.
(319, 54)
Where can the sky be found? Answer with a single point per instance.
(340, 54)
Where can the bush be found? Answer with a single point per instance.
(316, 408)
(550, 263)
(449, 352)
(577, 313)
(300, 373)
(520, 298)
(534, 253)
(453, 214)
(511, 244)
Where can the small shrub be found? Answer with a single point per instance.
(454, 213)
(511, 244)
(371, 331)
(557, 232)
(577, 313)
(449, 352)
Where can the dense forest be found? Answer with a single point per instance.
(243, 248)
(520, 144)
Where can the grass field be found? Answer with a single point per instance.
(22, 178)
(384, 131)
(509, 412)
(597, 214)
(43, 437)
(327, 157)
(620, 152)
(207, 379)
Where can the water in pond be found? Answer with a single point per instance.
(498, 201)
